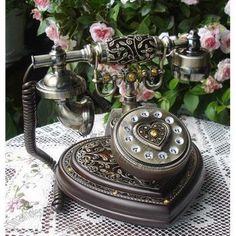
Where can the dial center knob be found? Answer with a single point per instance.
(153, 133)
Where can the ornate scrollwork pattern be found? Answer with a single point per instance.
(88, 155)
(132, 49)
(96, 158)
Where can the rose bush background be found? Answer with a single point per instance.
(68, 23)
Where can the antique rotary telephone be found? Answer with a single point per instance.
(146, 170)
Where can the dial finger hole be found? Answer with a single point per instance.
(128, 138)
(162, 155)
(179, 141)
(148, 155)
(158, 114)
(145, 114)
(127, 129)
(177, 130)
(169, 120)
(174, 150)
(134, 118)
(136, 148)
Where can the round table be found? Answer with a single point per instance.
(29, 188)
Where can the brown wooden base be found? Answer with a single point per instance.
(88, 173)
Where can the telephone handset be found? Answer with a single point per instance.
(146, 169)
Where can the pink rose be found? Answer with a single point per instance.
(52, 32)
(42, 4)
(225, 41)
(36, 14)
(122, 88)
(144, 94)
(66, 43)
(63, 41)
(100, 32)
(114, 69)
(209, 38)
(190, 2)
(223, 71)
(227, 8)
(210, 85)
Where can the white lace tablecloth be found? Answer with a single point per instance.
(29, 189)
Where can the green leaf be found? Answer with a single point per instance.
(91, 86)
(171, 23)
(106, 117)
(157, 95)
(224, 117)
(143, 28)
(115, 12)
(226, 96)
(85, 20)
(209, 19)
(119, 33)
(210, 111)
(130, 5)
(145, 10)
(95, 3)
(220, 108)
(160, 22)
(185, 10)
(191, 102)
(100, 18)
(171, 96)
(173, 83)
(197, 90)
(165, 104)
(156, 60)
(117, 103)
(42, 27)
(160, 8)
(185, 25)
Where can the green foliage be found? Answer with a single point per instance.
(150, 17)
(191, 102)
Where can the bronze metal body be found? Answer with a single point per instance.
(147, 170)
(87, 172)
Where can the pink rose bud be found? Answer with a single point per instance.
(209, 39)
(122, 88)
(114, 69)
(225, 42)
(190, 2)
(100, 32)
(66, 43)
(210, 85)
(144, 94)
(43, 5)
(223, 71)
(52, 32)
(36, 14)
